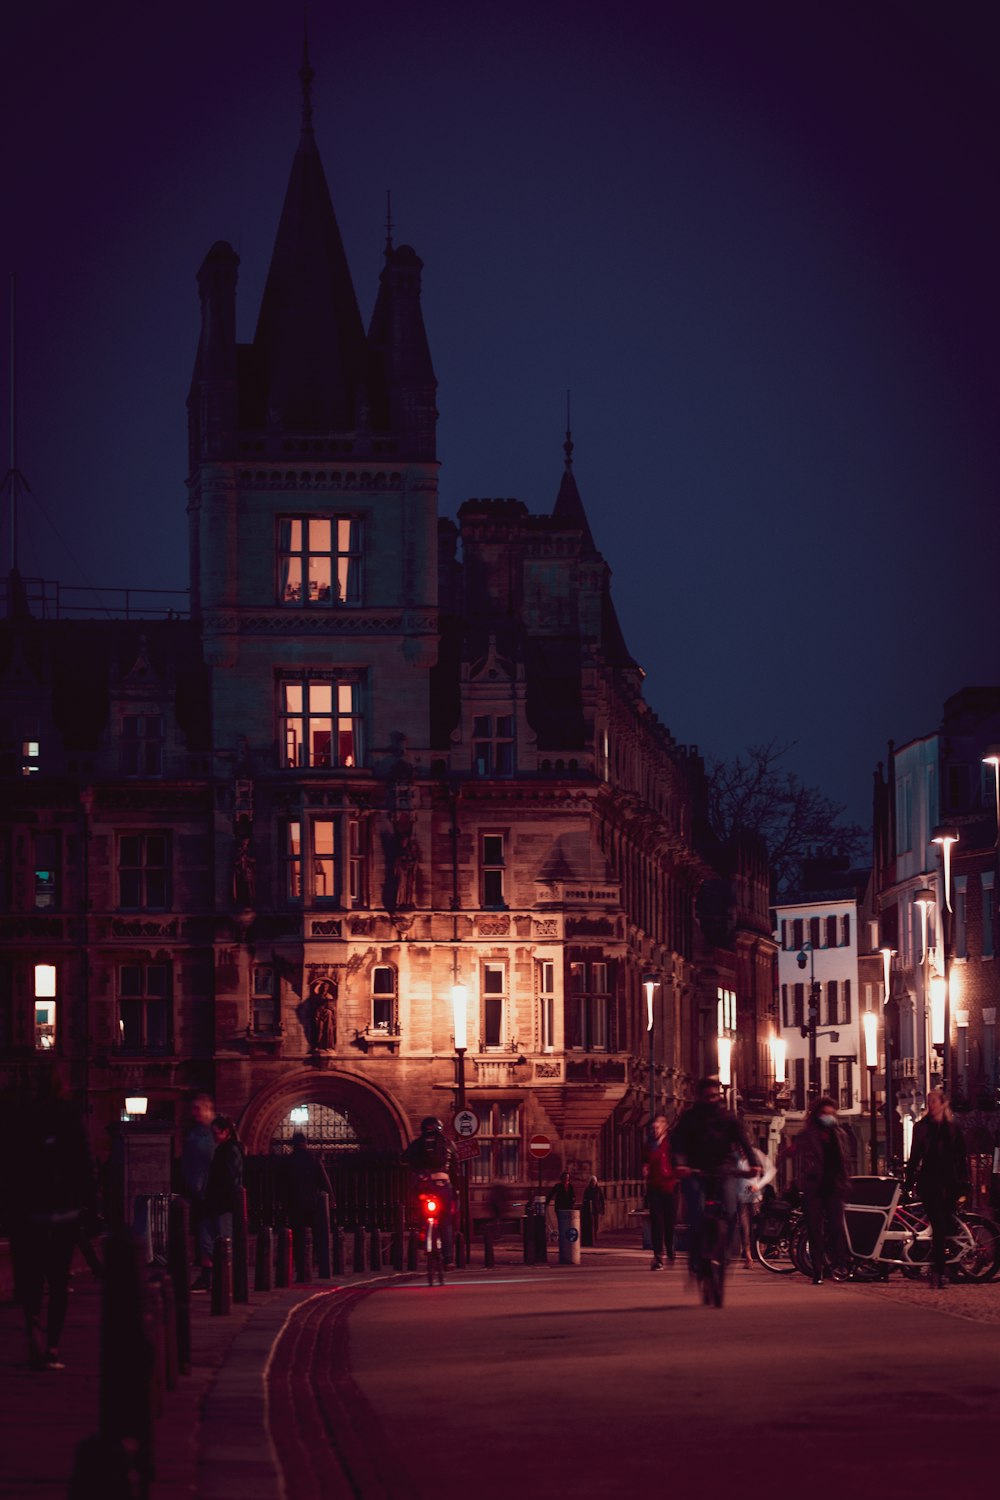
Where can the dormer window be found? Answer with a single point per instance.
(141, 745)
(493, 744)
(319, 561)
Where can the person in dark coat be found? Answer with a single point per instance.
(225, 1177)
(703, 1144)
(594, 1203)
(939, 1168)
(196, 1161)
(561, 1193)
(53, 1195)
(822, 1157)
(661, 1192)
(305, 1178)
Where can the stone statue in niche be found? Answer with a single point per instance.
(244, 874)
(324, 996)
(404, 864)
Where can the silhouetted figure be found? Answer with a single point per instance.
(305, 1178)
(939, 1167)
(225, 1176)
(196, 1159)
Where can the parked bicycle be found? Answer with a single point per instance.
(886, 1235)
(772, 1233)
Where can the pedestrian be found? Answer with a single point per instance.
(822, 1158)
(749, 1195)
(196, 1159)
(560, 1195)
(53, 1196)
(594, 1203)
(661, 1192)
(939, 1168)
(305, 1180)
(225, 1178)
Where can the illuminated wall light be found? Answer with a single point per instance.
(779, 1051)
(939, 993)
(299, 1115)
(869, 1024)
(725, 1060)
(136, 1105)
(460, 1016)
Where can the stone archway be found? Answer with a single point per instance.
(364, 1117)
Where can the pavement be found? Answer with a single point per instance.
(292, 1395)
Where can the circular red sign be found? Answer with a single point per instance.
(539, 1146)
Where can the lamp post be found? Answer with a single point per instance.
(460, 1018)
(811, 1028)
(945, 838)
(869, 1022)
(650, 984)
(888, 954)
(925, 900)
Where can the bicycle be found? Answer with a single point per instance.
(774, 1229)
(710, 1247)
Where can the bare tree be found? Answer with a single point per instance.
(755, 794)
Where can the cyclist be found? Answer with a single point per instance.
(703, 1145)
(432, 1158)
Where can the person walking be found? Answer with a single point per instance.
(225, 1177)
(822, 1157)
(939, 1168)
(594, 1205)
(560, 1195)
(196, 1160)
(661, 1192)
(53, 1194)
(305, 1180)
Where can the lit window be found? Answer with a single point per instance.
(494, 989)
(30, 757)
(547, 1003)
(144, 1007)
(384, 999)
(319, 561)
(143, 871)
(293, 860)
(141, 745)
(316, 870)
(499, 1142)
(264, 999)
(588, 1007)
(356, 859)
(324, 865)
(492, 867)
(45, 1007)
(47, 859)
(320, 723)
(493, 744)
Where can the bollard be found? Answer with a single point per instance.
(413, 1251)
(222, 1278)
(397, 1250)
(323, 1259)
(540, 1231)
(177, 1264)
(142, 1225)
(459, 1251)
(152, 1322)
(528, 1239)
(489, 1252)
(337, 1245)
(303, 1254)
(283, 1266)
(586, 1224)
(569, 1236)
(170, 1370)
(241, 1276)
(359, 1249)
(125, 1392)
(376, 1248)
(263, 1279)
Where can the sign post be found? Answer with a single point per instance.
(539, 1147)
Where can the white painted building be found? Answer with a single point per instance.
(817, 940)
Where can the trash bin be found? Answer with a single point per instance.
(569, 1236)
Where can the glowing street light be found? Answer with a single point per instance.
(869, 1024)
(779, 1055)
(725, 1061)
(460, 1029)
(946, 837)
(939, 995)
(650, 984)
(136, 1106)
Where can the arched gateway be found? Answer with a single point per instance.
(343, 1114)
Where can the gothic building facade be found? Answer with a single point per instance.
(389, 764)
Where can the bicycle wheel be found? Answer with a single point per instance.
(798, 1249)
(774, 1253)
(980, 1260)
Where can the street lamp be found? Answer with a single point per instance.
(650, 984)
(925, 900)
(869, 1022)
(460, 1026)
(811, 1029)
(993, 759)
(946, 837)
(888, 954)
(136, 1106)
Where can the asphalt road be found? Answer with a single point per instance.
(607, 1380)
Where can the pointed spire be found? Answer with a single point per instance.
(568, 444)
(568, 510)
(307, 75)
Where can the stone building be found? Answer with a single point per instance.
(388, 761)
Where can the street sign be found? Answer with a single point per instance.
(467, 1150)
(466, 1123)
(539, 1147)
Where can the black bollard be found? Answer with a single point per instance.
(222, 1278)
(359, 1249)
(125, 1393)
(489, 1253)
(241, 1275)
(324, 1267)
(376, 1248)
(170, 1369)
(337, 1245)
(413, 1251)
(263, 1278)
(528, 1240)
(460, 1251)
(303, 1254)
(177, 1264)
(283, 1266)
(541, 1234)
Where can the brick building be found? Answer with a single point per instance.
(256, 850)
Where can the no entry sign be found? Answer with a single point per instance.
(539, 1147)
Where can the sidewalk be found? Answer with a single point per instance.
(211, 1441)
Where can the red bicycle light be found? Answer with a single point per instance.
(431, 1206)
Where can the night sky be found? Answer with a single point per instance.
(759, 241)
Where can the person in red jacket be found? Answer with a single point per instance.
(661, 1192)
